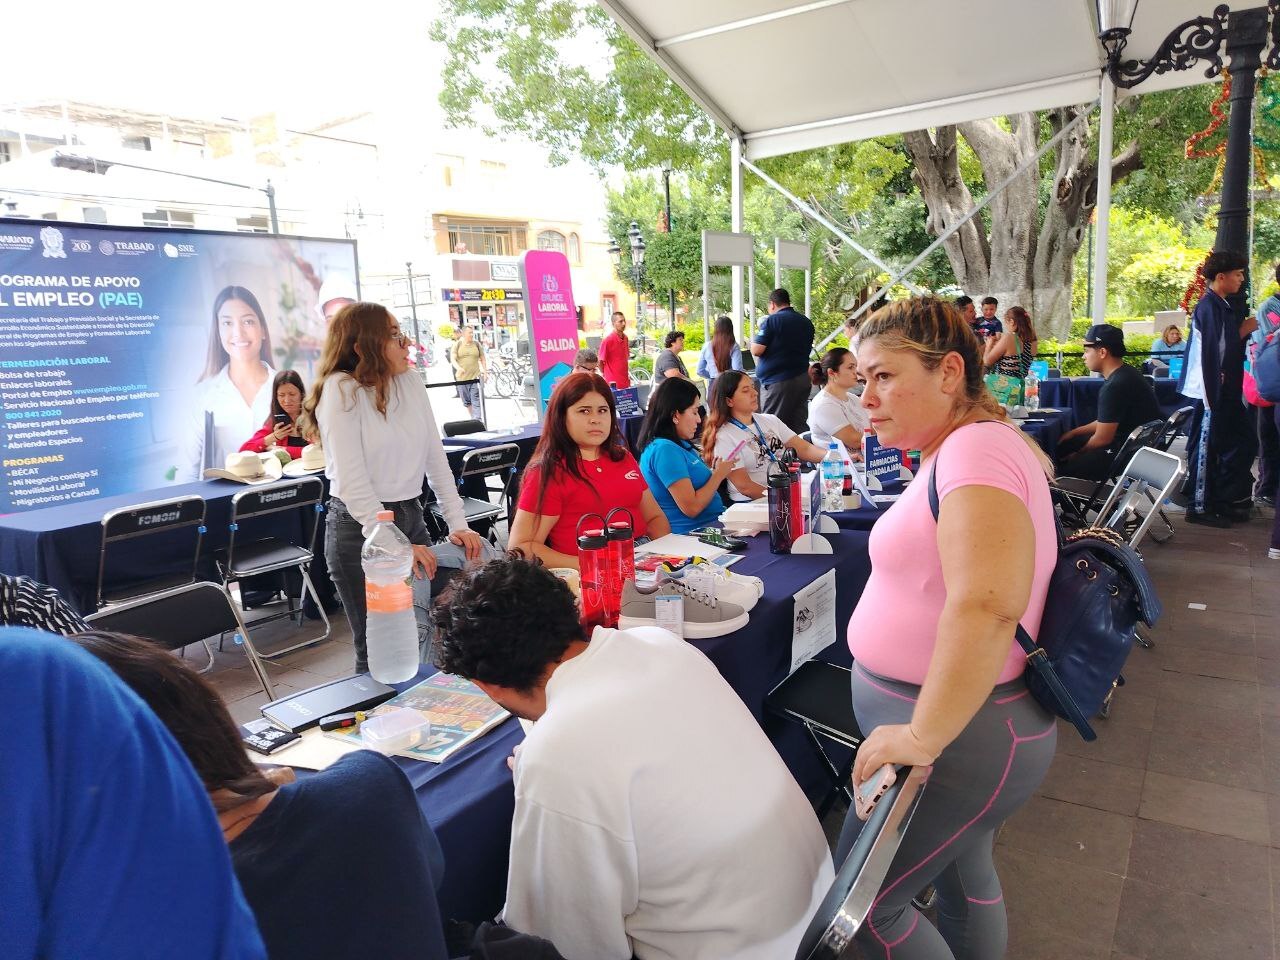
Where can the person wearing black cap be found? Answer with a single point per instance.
(1126, 400)
(1222, 444)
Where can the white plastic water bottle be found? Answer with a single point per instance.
(833, 479)
(1031, 391)
(391, 633)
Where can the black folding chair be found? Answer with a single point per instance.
(858, 880)
(1174, 426)
(817, 696)
(1077, 497)
(250, 558)
(145, 520)
(182, 616)
(480, 464)
(460, 428)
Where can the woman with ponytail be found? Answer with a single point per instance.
(835, 413)
(937, 676)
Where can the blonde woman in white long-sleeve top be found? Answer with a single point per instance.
(380, 439)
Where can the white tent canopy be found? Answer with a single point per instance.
(788, 76)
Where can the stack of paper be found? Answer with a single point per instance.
(748, 518)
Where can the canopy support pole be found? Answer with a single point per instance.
(735, 221)
(1102, 208)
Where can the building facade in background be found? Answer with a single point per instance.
(457, 206)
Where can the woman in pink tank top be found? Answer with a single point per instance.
(937, 677)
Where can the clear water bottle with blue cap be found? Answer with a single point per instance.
(832, 479)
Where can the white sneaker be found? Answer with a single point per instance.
(1273, 553)
(704, 615)
(742, 589)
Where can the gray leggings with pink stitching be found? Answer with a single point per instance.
(990, 771)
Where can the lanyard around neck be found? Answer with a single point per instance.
(764, 444)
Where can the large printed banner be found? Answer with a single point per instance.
(552, 318)
(133, 358)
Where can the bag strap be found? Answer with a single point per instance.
(1024, 639)
(1036, 657)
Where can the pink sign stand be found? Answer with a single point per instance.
(552, 319)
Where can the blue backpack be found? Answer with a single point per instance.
(1098, 592)
(1264, 349)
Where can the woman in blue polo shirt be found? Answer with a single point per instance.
(687, 490)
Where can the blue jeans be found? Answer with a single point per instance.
(343, 538)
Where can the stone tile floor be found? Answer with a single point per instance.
(1157, 842)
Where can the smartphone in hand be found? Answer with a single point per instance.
(868, 793)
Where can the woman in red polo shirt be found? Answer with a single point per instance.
(581, 466)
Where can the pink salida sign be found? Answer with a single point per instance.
(552, 318)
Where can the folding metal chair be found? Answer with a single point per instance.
(248, 558)
(144, 520)
(858, 880)
(817, 696)
(184, 615)
(1176, 423)
(1078, 498)
(481, 463)
(1148, 479)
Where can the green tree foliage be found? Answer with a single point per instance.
(631, 116)
(1157, 279)
(561, 73)
(1150, 261)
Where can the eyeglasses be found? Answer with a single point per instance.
(400, 339)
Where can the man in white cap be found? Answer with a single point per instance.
(335, 293)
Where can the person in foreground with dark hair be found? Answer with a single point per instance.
(668, 363)
(352, 832)
(110, 849)
(687, 490)
(1222, 443)
(638, 831)
(581, 465)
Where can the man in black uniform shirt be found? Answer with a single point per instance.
(1126, 400)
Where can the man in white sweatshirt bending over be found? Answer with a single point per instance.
(653, 817)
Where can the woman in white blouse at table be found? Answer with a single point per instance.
(235, 386)
(735, 431)
(835, 412)
(379, 437)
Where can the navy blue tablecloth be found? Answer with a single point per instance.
(469, 800)
(1046, 427)
(1080, 396)
(60, 545)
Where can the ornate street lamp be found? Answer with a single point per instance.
(637, 266)
(1241, 36)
